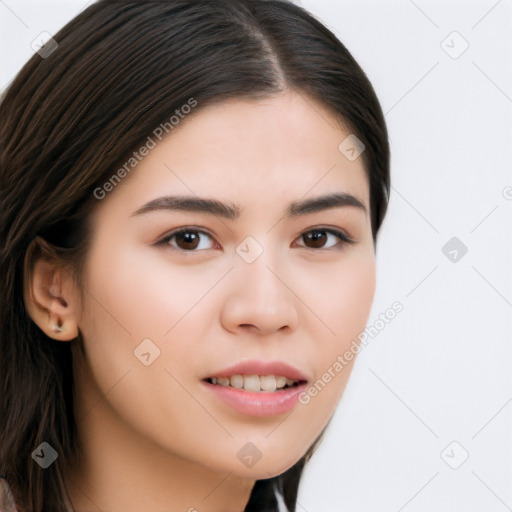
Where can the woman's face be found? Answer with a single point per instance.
(264, 279)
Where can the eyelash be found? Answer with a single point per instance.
(344, 239)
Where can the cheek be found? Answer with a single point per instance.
(144, 294)
(342, 312)
(351, 300)
(134, 296)
(339, 296)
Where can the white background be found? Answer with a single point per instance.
(441, 370)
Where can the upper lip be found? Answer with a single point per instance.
(257, 367)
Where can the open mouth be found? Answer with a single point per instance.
(256, 383)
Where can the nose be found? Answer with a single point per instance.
(259, 298)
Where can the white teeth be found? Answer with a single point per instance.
(281, 382)
(252, 383)
(223, 381)
(267, 383)
(237, 381)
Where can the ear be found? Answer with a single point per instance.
(50, 294)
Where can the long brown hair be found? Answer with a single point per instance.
(74, 115)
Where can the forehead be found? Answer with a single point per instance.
(254, 153)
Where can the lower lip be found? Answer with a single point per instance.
(258, 403)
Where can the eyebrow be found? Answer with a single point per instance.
(232, 211)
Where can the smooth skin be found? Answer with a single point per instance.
(155, 438)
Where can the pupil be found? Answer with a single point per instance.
(189, 238)
(318, 238)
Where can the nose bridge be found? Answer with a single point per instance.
(259, 296)
(258, 276)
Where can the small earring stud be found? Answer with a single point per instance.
(56, 327)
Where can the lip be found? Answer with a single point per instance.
(259, 403)
(256, 367)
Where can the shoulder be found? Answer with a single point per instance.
(280, 501)
(7, 503)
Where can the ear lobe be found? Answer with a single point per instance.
(50, 298)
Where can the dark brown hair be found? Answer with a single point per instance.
(69, 120)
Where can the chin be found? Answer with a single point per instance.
(262, 469)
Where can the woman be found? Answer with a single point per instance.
(191, 193)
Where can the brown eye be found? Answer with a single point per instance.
(188, 240)
(318, 238)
